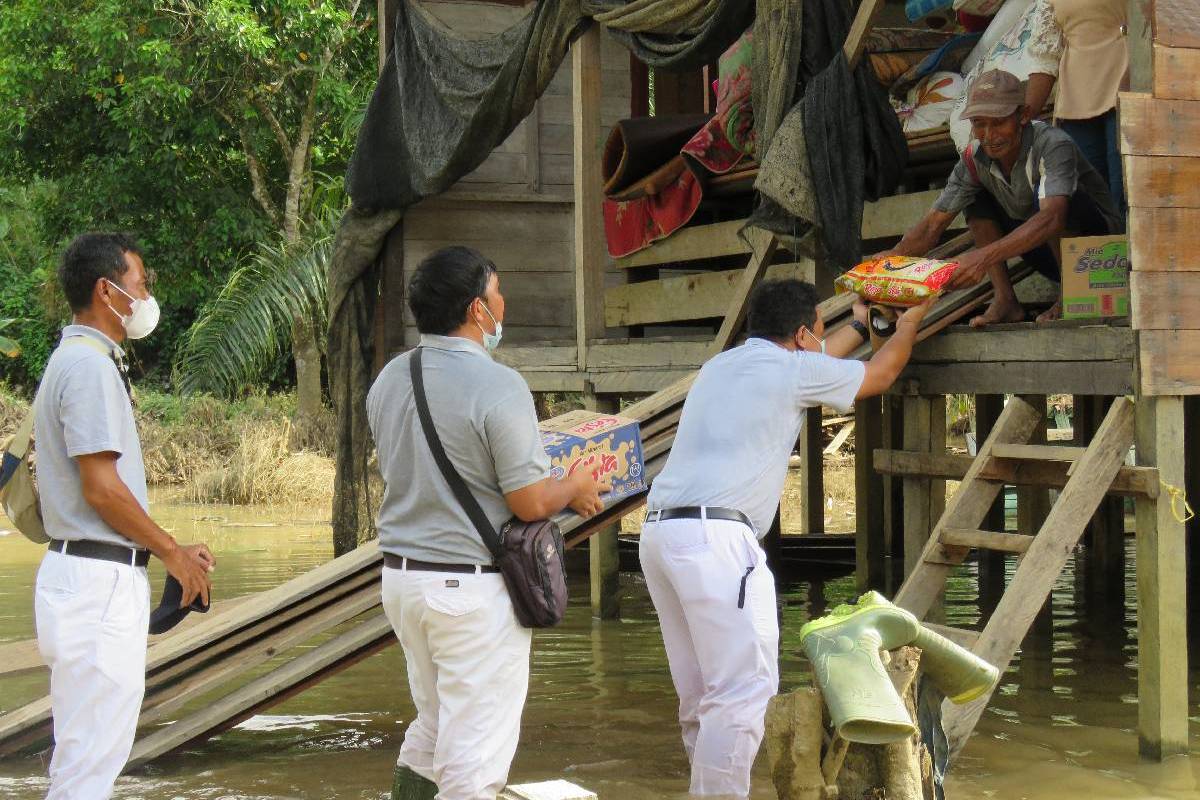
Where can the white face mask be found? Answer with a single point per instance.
(491, 340)
(821, 342)
(143, 314)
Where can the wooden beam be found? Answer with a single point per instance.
(1153, 127)
(1130, 481)
(1111, 378)
(812, 474)
(864, 20)
(1139, 25)
(590, 252)
(1176, 22)
(690, 244)
(604, 559)
(924, 497)
(1164, 300)
(1176, 73)
(1026, 343)
(1169, 362)
(987, 540)
(701, 295)
(533, 148)
(1038, 452)
(647, 354)
(893, 216)
(1161, 585)
(1162, 181)
(1163, 239)
(869, 540)
(764, 245)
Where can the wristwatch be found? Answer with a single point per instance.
(860, 329)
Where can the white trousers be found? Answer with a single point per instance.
(92, 618)
(468, 671)
(724, 659)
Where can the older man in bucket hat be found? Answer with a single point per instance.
(1023, 186)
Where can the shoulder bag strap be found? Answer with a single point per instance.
(453, 479)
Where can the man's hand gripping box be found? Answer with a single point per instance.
(607, 445)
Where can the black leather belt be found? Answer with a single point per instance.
(399, 562)
(102, 551)
(700, 512)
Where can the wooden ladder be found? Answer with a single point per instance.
(1041, 557)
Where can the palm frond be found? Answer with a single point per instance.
(245, 330)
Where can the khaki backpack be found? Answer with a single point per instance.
(18, 488)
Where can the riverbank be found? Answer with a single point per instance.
(205, 450)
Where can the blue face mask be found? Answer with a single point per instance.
(491, 340)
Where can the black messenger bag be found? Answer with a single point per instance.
(528, 554)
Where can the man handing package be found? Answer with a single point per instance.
(1023, 186)
(715, 499)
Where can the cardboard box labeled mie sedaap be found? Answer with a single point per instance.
(607, 445)
(1095, 279)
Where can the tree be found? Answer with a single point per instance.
(181, 114)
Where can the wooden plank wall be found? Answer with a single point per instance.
(1160, 143)
(516, 208)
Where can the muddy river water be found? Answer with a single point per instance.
(601, 707)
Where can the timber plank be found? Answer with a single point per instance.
(1164, 239)
(1027, 343)
(637, 381)
(1162, 181)
(1038, 452)
(689, 244)
(987, 540)
(701, 295)
(1130, 481)
(1176, 22)
(924, 429)
(1164, 300)
(1154, 127)
(589, 247)
(1109, 378)
(647, 354)
(893, 216)
(1046, 557)
(1176, 72)
(1169, 362)
(864, 20)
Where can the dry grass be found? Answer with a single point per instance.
(212, 451)
(262, 470)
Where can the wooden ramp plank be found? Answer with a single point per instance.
(1045, 558)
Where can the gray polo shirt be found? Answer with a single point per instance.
(81, 408)
(740, 422)
(1049, 165)
(484, 415)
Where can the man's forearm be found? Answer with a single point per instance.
(1034, 232)
(918, 241)
(843, 342)
(117, 506)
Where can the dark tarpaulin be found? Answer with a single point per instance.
(443, 103)
(843, 127)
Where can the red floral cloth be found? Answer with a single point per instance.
(729, 136)
(632, 225)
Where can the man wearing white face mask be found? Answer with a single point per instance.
(466, 653)
(716, 498)
(92, 598)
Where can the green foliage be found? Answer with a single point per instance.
(169, 119)
(244, 331)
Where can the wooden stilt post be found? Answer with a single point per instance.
(893, 495)
(924, 498)
(812, 475)
(1161, 584)
(870, 546)
(590, 260)
(1191, 416)
(1104, 572)
(991, 562)
(1033, 506)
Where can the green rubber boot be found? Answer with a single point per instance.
(844, 649)
(960, 674)
(408, 785)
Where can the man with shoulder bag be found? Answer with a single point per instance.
(92, 595)
(464, 471)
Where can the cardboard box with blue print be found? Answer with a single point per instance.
(608, 445)
(1095, 279)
